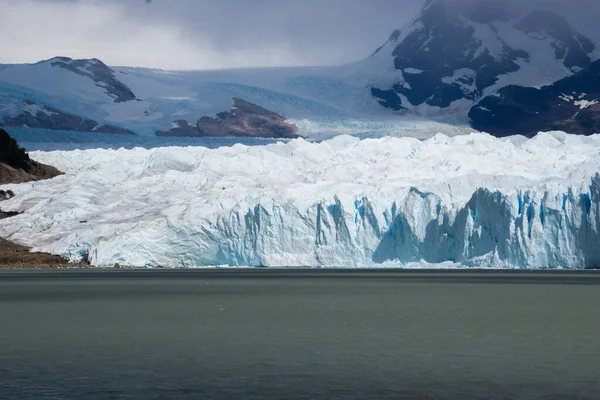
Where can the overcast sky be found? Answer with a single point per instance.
(200, 34)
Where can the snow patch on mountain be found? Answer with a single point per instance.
(583, 104)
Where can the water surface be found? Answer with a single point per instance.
(275, 334)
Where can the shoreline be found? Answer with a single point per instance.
(82, 267)
(17, 257)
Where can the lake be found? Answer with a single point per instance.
(299, 334)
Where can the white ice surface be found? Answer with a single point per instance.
(470, 200)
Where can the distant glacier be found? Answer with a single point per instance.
(464, 201)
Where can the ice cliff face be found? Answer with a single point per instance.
(470, 200)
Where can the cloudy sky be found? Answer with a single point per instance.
(200, 34)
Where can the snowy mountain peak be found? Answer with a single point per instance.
(570, 46)
(94, 69)
(456, 52)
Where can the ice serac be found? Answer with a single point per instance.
(472, 201)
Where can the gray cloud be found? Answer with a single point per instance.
(201, 33)
(198, 34)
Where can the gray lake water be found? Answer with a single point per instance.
(314, 334)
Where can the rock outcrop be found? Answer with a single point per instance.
(245, 119)
(45, 117)
(17, 167)
(100, 73)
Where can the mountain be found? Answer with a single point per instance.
(433, 75)
(61, 94)
(320, 101)
(457, 52)
(86, 95)
(571, 104)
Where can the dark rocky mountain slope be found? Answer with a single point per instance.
(571, 104)
(100, 73)
(460, 50)
(45, 117)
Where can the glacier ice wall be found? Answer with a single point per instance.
(472, 200)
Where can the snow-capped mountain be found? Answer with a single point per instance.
(430, 74)
(457, 52)
(321, 101)
(63, 94)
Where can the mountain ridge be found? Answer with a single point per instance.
(438, 68)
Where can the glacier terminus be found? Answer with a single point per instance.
(464, 201)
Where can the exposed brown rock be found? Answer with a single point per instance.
(181, 128)
(245, 119)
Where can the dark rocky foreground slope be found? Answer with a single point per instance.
(245, 119)
(14, 256)
(17, 167)
(571, 105)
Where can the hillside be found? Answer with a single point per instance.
(17, 167)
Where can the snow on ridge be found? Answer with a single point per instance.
(35, 109)
(583, 104)
(473, 200)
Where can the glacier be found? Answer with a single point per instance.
(467, 201)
